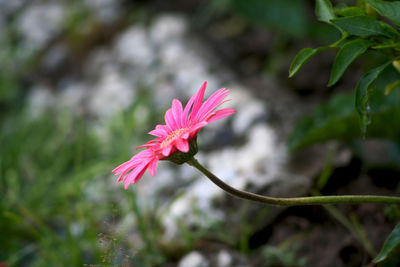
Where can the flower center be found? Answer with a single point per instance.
(171, 137)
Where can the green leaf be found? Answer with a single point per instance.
(350, 11)
(391, 86)
(385, 45)
(363, 95)
(338, 119)
(364, 26)
(390, 10)
(302, 57)
(346, 55)
(390, 244)
(324, 11)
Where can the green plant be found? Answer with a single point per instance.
(363, 28)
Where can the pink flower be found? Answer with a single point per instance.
(178, 136)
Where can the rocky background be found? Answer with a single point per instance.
(108, 70)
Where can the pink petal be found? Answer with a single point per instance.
(198, 126)
(198, 100)
(187, 108)
(121, 176)
(166, 151)
(222, 113)
(159, 131)
(169, 119)
(182, 145)
(153, 167)
(212, 103)
(135, 175)
(122, 167)
(136, 162)
(177, 112)
(185, 135)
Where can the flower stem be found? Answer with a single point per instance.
(295, 201)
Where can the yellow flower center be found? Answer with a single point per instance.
(171, 137)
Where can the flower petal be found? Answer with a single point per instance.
(182, 145)
(198, 126)
(159, 131)
(153, 167)
(212, 103)
(169, 119)
(198, 100)
(177, 112)
(222, 113)
(166, 151)
(135, 175)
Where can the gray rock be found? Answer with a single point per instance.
(224, 259)
(106, 11)
(193, 259)
(39, 23)
(112, 94)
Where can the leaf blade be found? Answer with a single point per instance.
(391, 243)
(389, 10)
(302, 58)
(346, 55)
(362, 95)
(324, 11)
(364, 26)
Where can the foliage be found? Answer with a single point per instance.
(50, 213)
(285, 254)
(362, 31)
(338, 120)
(391, 243)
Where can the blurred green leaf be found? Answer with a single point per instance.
(390, 244)
(362, 97)
(350, 11)
(390, 10)
(364, 26)
(324, 10)
(338, 120)
(284, 16)
(388, 44)
(391, 86)
(302, 57)
(346, 55)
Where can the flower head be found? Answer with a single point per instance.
(177, 137)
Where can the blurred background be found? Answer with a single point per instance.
(83, 81)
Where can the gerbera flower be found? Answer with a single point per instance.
(176, 140)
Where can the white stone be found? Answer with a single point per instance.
(111, 95)
(40, 98)
(167, 28)
(107, 11)
(38, 24)
(133, 48)
(224, 259)
(247, 113)
(72, 97)
(193, 259)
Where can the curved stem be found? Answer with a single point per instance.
(295, 201)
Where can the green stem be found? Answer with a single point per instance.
(295, 201)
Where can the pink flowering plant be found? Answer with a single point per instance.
(176, 141)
